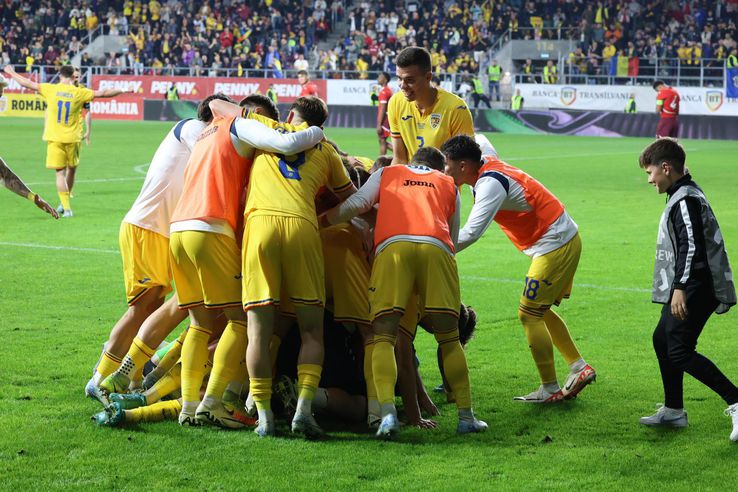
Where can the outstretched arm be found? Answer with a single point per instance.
(12, 182)
(111, 92)
(262, 137)
(23, 81)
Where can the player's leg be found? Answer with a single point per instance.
(260, 295)
(70, 175)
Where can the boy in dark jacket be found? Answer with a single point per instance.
(692, 278)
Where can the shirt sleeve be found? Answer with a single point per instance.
(44, 90)
(690, 242)
(261, 137)
(489, 197)
(339, 180)
(85, 95)
(359, 202)
(392, 118)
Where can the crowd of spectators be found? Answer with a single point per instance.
(275, 37)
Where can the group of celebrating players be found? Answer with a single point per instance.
(267, 231)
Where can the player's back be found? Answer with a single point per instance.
(64, 102)
(287, 185)
(449, 116)
(164, 181)
(670, 98)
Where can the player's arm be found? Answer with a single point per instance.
(23, 81)
(659, 104)
(12, 182)
(226, 109)
(105, 93)
(407, 377)
(455, 222)
(262, 137)
(381, 113)
(399, 151)
(690, 244)
(358, 203)
(489, 197)
(88, 126)
(335, 146)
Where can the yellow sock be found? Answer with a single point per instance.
(163, 410)
(139, 354)
(308, 379)
(171, 357)
(384, 367)
(261, 392)
(274, 344)
(107, 365)
(167, 384)
(371, 389)
(64, 199)
(454, 367)
(541, 347)
(227, 359)
(194, 362)
(561, 337)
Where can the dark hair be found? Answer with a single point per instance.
(357, 175)
(664, 150)
(387, 76)
(467, 324)
(657, 83)
(303, 72)
(311, 109)
(382, 161)
(268, 107)
(67, 71)
(462, 147)
(414, 56)
(430, 157)
(203, 109)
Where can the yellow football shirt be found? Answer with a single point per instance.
(449, 116)
(64, 104)
(287, 185)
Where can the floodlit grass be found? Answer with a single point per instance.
(58, 305)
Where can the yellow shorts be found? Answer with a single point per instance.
(145, 261)
(60, 155)
(550, 278)
(282, 256)
(347, 273)
(403, 269)
(206, 269)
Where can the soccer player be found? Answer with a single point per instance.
(537, 224)
(667, 106)
(692, 279)
(64, 102)
(308, 88)
(283, 257)
(84, 127)
(205, 255)
(383, 127)
(144, 246)
(422, 115)
(414, 242)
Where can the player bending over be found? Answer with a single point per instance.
(537, 224)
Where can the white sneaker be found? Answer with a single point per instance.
(307, 426)
(733, 412)
(373, 421)
(576, 381)
(218, 415)
(188, 420)
(67, 214)
(666, 417)
(541, 396)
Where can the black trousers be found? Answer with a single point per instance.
(675, 343)
(480, 97)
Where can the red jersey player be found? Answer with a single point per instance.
(383, 130)
(667, 105)
(308, 88)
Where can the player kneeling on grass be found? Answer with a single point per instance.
(536, 222)
(692, 279)
(414, 240)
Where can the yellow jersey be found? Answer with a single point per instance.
(64, 104)
(449, 116)
(287, 185)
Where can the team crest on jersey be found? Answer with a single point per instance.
(435, 120)
(713, 100)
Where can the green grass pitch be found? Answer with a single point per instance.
(61, 291)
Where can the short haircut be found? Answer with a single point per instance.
(467, 324)
(357, 175)
(382, 161)
(311, 109)
(430, 157)
(268, 107)
(203, 109)
(414, 56)
(462, 147)
(303, 72)
(67, 71)
(664, 150)
(387, 76)
(657, 83)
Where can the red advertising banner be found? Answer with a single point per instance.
(123, 107)
(197, 88)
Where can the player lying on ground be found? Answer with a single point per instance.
(536, 222)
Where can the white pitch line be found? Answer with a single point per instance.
(99, 180)
(463, 277)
